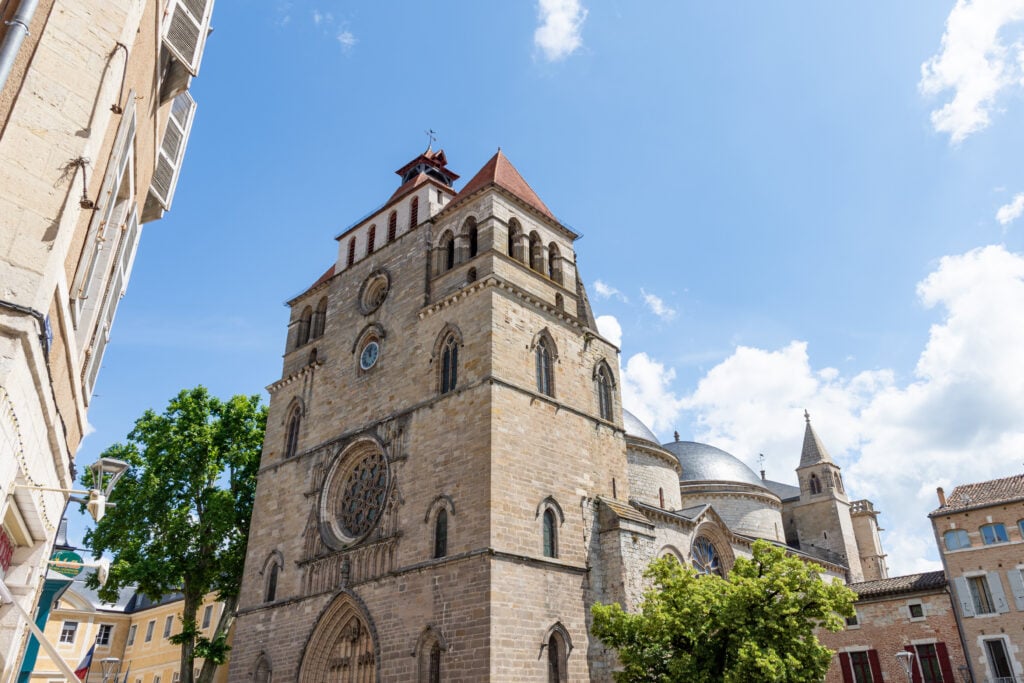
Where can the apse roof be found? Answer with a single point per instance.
(636, 428)
(702, 462)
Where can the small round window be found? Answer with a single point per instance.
(374, 291)
(368, 356)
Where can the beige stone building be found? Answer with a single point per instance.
(95, 114)
(979, 529)
(134, 630)
(449, 480)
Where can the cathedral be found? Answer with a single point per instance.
(449, 480)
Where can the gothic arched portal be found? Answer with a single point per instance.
(342, 647)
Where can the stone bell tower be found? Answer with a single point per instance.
(446, 415)
(822, 515)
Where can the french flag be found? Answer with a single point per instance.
(83, 667)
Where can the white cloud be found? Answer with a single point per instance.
(1008, 213)
(610, 329)
(606, 291)
(647, 393)
(658, 306)
(347, 40)
(558, 35)
(974, 63)
(956, 421)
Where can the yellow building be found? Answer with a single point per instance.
(133, 630)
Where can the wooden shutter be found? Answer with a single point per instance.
(1016, 578)
(876, 666)
(845, 668)
(963, 595)
(172, 149)
(944, 664)
(185, 31)
(995, 586)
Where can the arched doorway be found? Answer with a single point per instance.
(343, 648)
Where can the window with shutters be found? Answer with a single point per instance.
(392, 225)
(172, 149)
(981, 596)
(371, 238)
(185, 29)
(930, 669)
(414, 212)
(993, 533)
(351, 251)
(860, 663)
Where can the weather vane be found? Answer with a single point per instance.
(431, 137)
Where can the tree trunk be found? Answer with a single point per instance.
(188, 648)
(224, 624)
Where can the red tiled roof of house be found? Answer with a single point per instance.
(500, 171)
(983, 494)
(900, 584)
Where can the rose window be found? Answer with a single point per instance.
(705, 557)
(355, 494)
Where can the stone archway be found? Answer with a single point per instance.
(343, 647)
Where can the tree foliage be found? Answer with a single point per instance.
(756, 625)
(181, 523)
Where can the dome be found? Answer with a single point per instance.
(702, 462)
(636, 428)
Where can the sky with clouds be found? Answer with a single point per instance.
(785, 206)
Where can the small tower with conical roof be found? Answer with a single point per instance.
(822, 517)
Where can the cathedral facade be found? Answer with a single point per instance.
(449, 480)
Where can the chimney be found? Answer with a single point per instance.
(942, 497)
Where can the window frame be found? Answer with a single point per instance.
(990, 533)
(149, 630)
(208, 615)
(104, 634)
(132, 630)
(960, 534)
(543, 360)
(168, 625)
(441, 533)
(981, 595)
(549, 541)
(68, 632)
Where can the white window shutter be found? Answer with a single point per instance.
(995, 585)
(172, 149)
(963, 594)
(185, 30)
(1016, 577)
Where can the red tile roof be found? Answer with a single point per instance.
(900, 584)
(405, 187)
(983, 494)
(500, 171)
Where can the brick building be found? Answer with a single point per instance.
(979, 529)
(449, 481)
(910, 613)
(95, 114)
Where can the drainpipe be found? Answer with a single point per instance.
(14, 37)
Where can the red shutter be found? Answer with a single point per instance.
(944, 663)
(844, 666)
(916, 670)
(876, 666)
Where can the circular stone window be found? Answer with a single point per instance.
(368, 356)
(705, 557)
(374, 291)
(353, 499)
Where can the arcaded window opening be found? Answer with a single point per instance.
(371, 238)
(392, 225)
(414, 212)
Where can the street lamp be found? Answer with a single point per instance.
(906, 660)
(105, 474)
(111, 667)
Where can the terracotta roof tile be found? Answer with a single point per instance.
(982, 494)
(500, 171)
(900, 584)
(405, 187)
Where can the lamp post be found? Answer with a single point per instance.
(906, 660)
(111, 667)
(105, 473)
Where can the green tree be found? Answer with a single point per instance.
(181, 523)
(756, 625)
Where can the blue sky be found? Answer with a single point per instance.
(784, 206)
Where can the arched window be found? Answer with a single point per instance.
(550, 533)
(351, 251)
(302, 336)
(447, 252)
(536, 253)
(556, 659)
(449, 364)
(392, 225)
(815, 484)
(271, 593)
(319, 319)
(434, 675)
(513, 237)
(559, 302)
(430, 651)
(263, 671)
(371, 237)
(441, 533)
(414, 212)
(473, 241)
(603, 378)
(705, 557)
(554, 263)
(661, 497)
(291, 442)
(545, 385)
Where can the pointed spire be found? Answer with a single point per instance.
(500, 171)
(813, 451)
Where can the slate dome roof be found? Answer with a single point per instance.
(636, 428)
(702, 462)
